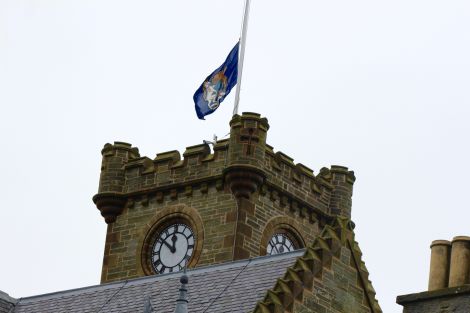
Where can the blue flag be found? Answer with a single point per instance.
(217, 85)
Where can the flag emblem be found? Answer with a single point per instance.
(215, 89)
(217, 85)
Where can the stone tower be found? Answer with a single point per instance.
(239, 201)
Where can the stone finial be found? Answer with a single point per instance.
(182, 302)
(439, 268)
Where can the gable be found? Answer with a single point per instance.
(329, 277)
(338, 290)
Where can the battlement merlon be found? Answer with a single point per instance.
(244, 163)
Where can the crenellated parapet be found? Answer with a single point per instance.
(244, 165)
(330, 191)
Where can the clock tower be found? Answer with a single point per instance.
(238, 201)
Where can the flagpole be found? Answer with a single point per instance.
(241, 55)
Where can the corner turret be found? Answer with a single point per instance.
(109, 198)
(341, 198)
(246, 154)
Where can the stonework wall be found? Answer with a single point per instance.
(338, 290)
(217, 210)
(330, 277)
(127, 235)
(270, 216)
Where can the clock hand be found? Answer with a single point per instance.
(173, 239)
(169, 247)
(276, 249)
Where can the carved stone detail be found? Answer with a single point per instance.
(244, 180)
(110, 205)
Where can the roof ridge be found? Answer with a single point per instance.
(316, 257)
(142, 280)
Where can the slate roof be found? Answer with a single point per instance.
(229, 287)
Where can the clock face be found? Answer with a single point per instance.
(279, 243)
(173, 248)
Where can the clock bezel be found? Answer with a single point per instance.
(159, 236)
(281, 225)
(183, 215)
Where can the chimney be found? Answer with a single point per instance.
(450, 263)
(459, 261)
(439, 269)
(449, 280)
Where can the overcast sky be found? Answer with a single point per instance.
(379, 86)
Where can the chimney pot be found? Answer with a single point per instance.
(459, 261)
(439, 269)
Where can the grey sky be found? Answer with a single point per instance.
(379, 86)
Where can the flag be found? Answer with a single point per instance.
(217, 85)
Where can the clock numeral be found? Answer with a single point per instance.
(187, 233)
